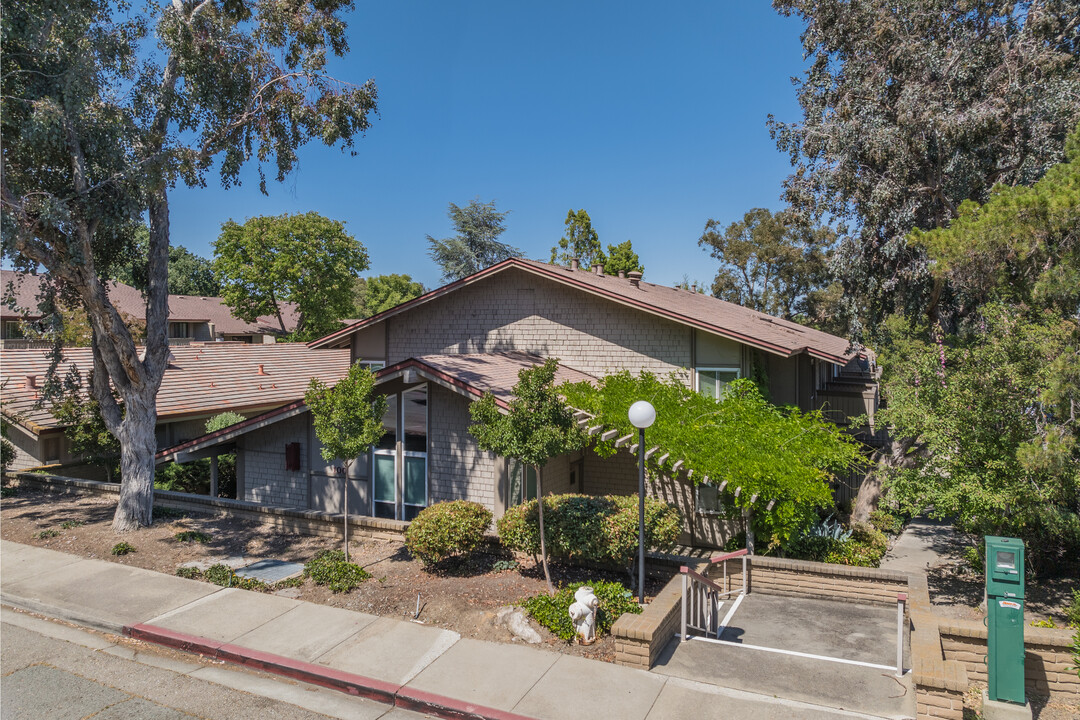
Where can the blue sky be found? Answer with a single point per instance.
(651, 116)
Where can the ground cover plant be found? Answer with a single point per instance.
(330, 568)
(192, 536)
(122, 548)
(446, 529)
(552, 611)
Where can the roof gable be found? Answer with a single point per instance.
(750, 327)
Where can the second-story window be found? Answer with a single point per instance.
(178, 330)
(711, 380)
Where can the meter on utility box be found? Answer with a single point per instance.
(1005, 618)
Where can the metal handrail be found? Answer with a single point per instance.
(701, 595)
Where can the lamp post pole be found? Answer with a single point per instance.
(642, 414)
(641, 516)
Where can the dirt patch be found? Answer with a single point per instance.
(463, 597)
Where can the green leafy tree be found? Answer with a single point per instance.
(770, 262)
(105, 112)
(908, 109)
(348, 420)
(476, 245)
(189, 274)
(80, 415)
(987, 412)
(580, 241)
(373, 295)
(771, 453)
(537, 426)
(620, 258)
(307, 260)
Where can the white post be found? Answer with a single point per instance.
(901, 599)
(682, 635)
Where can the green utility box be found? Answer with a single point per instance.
(1005, 618)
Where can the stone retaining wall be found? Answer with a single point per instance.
(307, 522)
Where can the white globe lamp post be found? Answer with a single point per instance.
(642, 415)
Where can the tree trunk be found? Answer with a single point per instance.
(345, 512)
(543, 545)
(138, 444)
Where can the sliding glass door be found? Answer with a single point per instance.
(399, 463)
(384, 465)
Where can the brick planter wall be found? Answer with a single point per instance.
(803, 578)
(307, 522)
(639, 639)
(1047, 656)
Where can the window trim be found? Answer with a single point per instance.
(703, 368)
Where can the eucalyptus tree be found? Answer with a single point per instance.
(580, 241)
(910, 108)
(105, 109)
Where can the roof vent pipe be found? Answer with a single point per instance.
(574, 263)
(635, 278)
(260, 371)
(622, 274)
(599, 269)
(31, 381)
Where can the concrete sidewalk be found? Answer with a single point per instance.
(401, 663)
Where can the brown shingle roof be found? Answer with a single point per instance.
(781, 337)
(182, 308)
(477, 373)
(471, 375)
(201, 379)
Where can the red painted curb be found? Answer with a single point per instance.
(445, 707)
(378, 690)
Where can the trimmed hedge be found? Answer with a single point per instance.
(330, 568)
(553, 611)
(589, 528)
(445, 529)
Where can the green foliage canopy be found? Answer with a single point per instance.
(476, 245)
(910, 108)
(580, 241)
(348, 416)
(776, 453)
(223, 420)
(189, 274)
(620, 258)
(770, 262)
(373, 295)
(538, 425)
(307, 260)
(80, 416)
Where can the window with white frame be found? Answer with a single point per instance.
(373, 365)
(711, 380)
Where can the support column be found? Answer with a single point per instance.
(214, 476)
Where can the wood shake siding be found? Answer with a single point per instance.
(457, 468)
(517, 311)
(266, 480)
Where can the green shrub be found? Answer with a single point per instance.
(289, 582)
(1072, 613)
(192, 536)
(864, 548)
(590, 528)
(122, 548)
(7, 491)
(445, 529)
(883, 520)
(223, 420)
(191, 573)
(329, 568)
(194, 477)
(68, 524)
(553, 611)
(46, 534)
(973, 556)
(164, 513)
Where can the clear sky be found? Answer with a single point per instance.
(651, 116)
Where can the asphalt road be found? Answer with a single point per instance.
(54, 671)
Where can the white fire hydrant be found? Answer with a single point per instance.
(583, 614)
